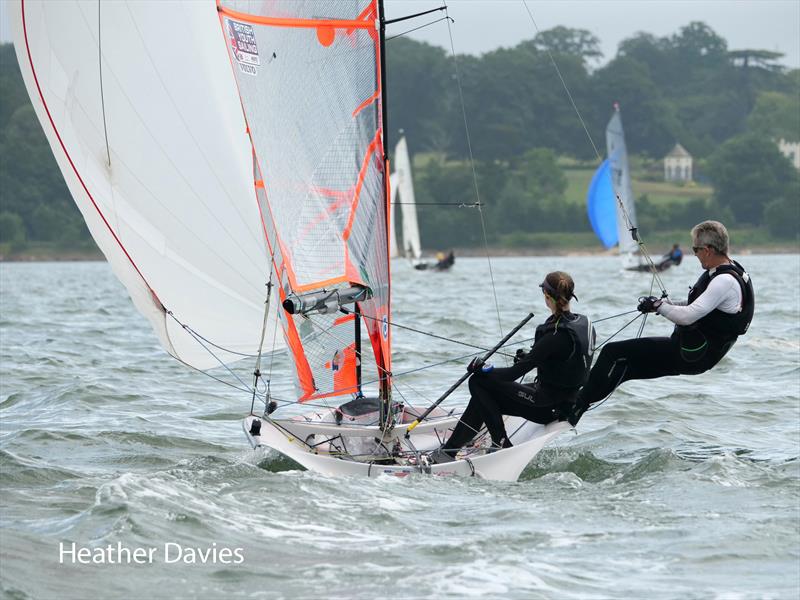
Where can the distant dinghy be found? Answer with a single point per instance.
(610, 202)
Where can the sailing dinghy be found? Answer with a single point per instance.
(230, 162)
(402, 193)
(610, 202)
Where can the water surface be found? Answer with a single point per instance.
(684, 487)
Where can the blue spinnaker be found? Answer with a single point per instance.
(601, 204)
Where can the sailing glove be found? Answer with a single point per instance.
(477, 365)
(520, 355)
(648, 304)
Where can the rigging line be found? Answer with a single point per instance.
(641, 327)
(631, 228)
(474, 174)
(207, 341)
(396, 375)
(459, 204)
(414, 16)
(379, 367)
(409, 386)
(598, 346)
(102, 94)
(415, 28)
(425, 367)
(219, 360)
(622, 314)
(566, 89)
(272, 362)
(257, 370)
(218, 379)
(427, 333)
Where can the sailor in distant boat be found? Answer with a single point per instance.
(719, 309)
(562, 355)
(673, 257)
(444, 262)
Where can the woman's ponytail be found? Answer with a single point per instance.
(560, 287)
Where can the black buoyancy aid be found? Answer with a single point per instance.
(573, 372)
(717, 331)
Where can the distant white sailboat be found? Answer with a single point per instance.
(402, 194)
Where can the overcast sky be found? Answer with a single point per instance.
(483, 25)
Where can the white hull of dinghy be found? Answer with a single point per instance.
(289, 437)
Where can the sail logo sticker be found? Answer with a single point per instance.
(243, 46)
(385, 327)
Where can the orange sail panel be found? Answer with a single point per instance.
(309, 78)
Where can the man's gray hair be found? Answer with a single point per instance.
(712, 234)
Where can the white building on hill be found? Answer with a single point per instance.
(790, 150)
(678, 165)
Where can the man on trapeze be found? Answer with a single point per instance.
(562, 355)
(719, 309)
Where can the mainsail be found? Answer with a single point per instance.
(309, 78)
(621, 180)
(140, 108)
(410, 246)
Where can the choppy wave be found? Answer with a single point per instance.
(675, 488)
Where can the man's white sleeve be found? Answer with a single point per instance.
(723, 293)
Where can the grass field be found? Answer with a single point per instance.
(579, 174)
(658, 192)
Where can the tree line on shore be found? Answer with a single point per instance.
(726, 107)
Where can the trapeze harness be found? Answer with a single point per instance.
(691, 349)
(561, 353)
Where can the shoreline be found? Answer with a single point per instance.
(459, 252)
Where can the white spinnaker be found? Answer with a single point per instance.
(621, 180)
(411, 245)
(175, 211)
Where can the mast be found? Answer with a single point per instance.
(357, 332)
(385, 392)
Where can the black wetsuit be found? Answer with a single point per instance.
(690, 350)
(562, 360)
